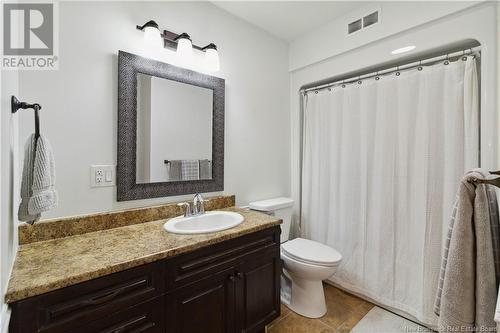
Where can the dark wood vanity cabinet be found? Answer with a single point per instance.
(228, 287)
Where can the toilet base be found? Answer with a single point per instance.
(308, 297)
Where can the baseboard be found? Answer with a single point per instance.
(4, 318)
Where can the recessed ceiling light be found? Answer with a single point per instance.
(404, 49)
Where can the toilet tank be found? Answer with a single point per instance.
(279, 207)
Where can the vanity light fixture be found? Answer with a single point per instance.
(404, 49)
(182, 42)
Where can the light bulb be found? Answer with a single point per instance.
(152, 37)
(212, 59)
(184, 48)
(404, 49)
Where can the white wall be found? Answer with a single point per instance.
(395, 17)
(8, 172)
(478, 22)
(79, 100)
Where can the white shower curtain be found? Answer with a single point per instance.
(381, 164)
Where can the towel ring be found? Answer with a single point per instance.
(15, 105)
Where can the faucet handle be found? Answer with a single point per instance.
(188, 211)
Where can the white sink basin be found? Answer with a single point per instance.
(209, 222)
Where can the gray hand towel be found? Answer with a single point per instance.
(174, 171)
(466, 294)
(38, 192)
(205, 169)
(27, 182)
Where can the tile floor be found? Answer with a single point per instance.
(344, 311)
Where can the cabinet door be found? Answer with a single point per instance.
(258, 291)
(206, 305)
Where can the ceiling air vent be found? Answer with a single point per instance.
(354, 26)
(363, 22)
(370, 19)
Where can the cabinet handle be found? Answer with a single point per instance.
(129, 324)
(239, 275)
(231, 278)
(102, 299)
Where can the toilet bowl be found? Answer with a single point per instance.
(306, 263)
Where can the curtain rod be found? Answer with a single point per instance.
(448, 56)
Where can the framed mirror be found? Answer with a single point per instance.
(170, 130)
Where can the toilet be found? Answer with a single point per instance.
(306, 263)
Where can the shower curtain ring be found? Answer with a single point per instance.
(343, 84)
(447, 62)
(420, 65)
(398, 73)
(464, 57)
(359, 80)
(377, 77)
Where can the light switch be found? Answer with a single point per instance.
(102, 175)
(109, 176)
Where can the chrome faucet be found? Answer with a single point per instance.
(198, 204)
(197, 207)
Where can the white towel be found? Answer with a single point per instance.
(190, 169)
(38, 192)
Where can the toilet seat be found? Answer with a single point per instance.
(311, 252)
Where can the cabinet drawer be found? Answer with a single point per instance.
(61, 310)
(146, 317)
(193, 266)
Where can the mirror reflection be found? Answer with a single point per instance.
(174, 131)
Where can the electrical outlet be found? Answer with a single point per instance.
(102, 175)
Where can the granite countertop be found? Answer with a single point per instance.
(44, 266)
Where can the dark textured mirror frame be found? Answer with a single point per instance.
(127, 188)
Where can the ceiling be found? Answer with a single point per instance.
(288, 19)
